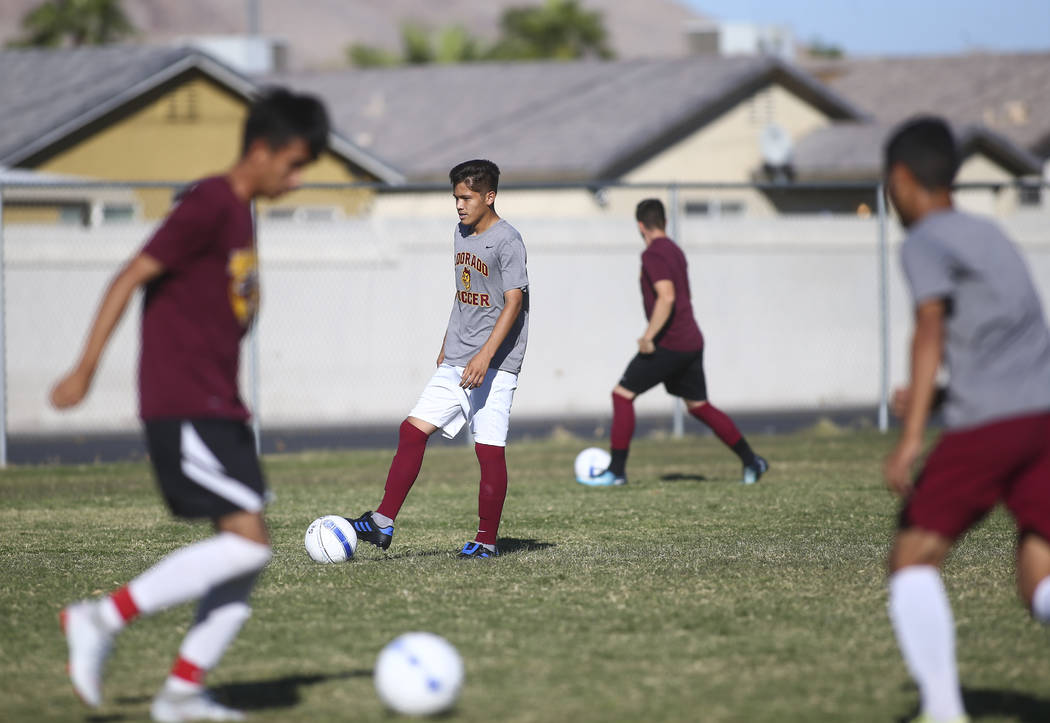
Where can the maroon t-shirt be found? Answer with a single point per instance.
(663, 260)
(196, 312)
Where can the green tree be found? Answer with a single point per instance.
(75, 22)
(818, 48)
(420, 46)
(558, 29)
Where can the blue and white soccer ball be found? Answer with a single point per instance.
(590, 463)
(330, 539)
(419, 674)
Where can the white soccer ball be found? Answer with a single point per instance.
(590, 463)
(330, 539)
(419, 674)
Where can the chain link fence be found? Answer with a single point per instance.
(797, 290)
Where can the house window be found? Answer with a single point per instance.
(118, 213)
(305, 214)
(715, 208)
(182, 105)
(1030, 195)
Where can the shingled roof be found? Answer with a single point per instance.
(546, 120)
(853, 151)
(1007, 93)
(49, 95)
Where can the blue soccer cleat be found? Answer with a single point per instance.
(754, 471)
(476, 551)
(605, 479)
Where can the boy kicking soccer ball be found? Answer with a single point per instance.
(199, 274)
(478, 365)
(670, 351)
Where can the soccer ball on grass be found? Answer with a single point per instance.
(330, 539)
(590, 463)
(419, 674)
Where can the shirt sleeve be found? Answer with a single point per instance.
(656, 267)
(186, 232)
(512, 264)
(928, 270)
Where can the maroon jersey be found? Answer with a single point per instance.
(663, 260)
(195, 313)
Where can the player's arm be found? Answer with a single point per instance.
(478, 367)
(927, 349)
(662, 309)
(72, 388)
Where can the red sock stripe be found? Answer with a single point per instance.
(187, 671)
(125, 605)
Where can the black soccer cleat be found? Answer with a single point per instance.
(370, 532)
(755, 470)
(476, 551)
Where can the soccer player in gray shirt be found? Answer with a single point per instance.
(478, 364)
(976, 311)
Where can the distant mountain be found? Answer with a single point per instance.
(318, 31)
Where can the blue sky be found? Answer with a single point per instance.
(894, 27)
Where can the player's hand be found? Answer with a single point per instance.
(475, 371)
(897, 467)
(646, 346)
(900, 401)
(70, 390)
(441, 356)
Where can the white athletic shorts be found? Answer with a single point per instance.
(448, 406)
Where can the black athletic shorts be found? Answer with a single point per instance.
(206, 467)
(681, 372)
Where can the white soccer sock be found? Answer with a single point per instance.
(922, 620)
(220, 615)
(191, 571)
(381, 520)
(1041, 601)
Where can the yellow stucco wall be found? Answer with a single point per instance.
(191, 131)
(979, 168)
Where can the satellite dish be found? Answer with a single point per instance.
(776, 147)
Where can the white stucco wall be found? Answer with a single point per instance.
(353, 315)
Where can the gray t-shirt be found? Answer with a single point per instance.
(998, 347)
(486, 266)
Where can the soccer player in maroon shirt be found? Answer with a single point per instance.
(671, 351)
(199, 274)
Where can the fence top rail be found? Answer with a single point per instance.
(594, 185)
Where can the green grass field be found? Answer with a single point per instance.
(684, 596)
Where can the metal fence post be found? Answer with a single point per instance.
(253, 346)
(678, 408)
(3, 342)
(884, 312)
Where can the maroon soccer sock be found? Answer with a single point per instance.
(492, 492)
(411, 444)
(622, 431)
(725, 430)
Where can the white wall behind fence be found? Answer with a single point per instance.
(354, 312)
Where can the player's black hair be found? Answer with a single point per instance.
(479, 175)
(650, 213)
(279, 116)
(927, 148)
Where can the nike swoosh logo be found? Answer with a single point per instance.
(488, 247)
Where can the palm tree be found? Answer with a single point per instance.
(75, 22)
